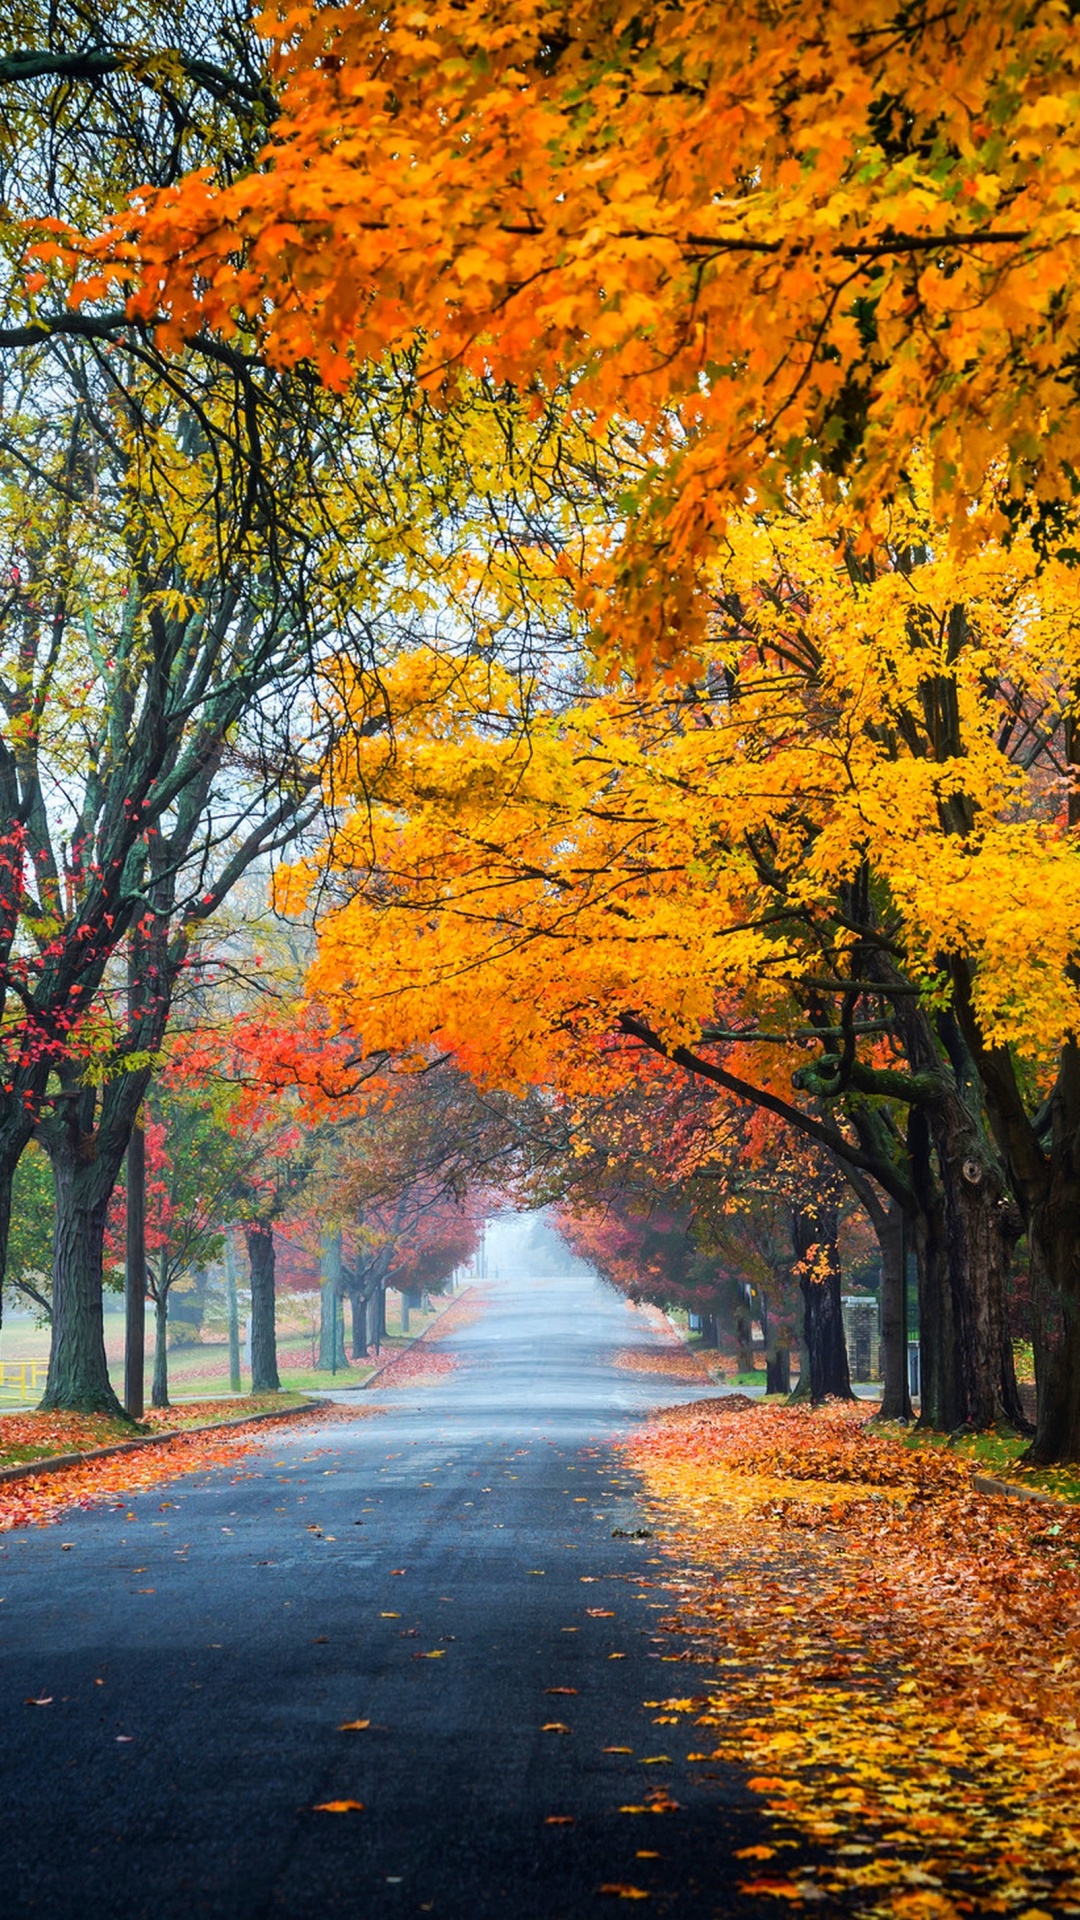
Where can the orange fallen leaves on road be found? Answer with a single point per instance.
(554, 1726)
(624, 1891)
(354, 1726)
(339, 1806)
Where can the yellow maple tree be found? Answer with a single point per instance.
(859, 803)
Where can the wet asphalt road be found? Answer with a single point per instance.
(435, 1571)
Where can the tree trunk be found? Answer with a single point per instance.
(814, 1237)
(744, 1339)
(78, 1379)
(327, 1316)
(1046, 1178)
(135, 1278)
(332, 1354)
(1055, 1236)
(232, 1308)
(892, 1231)
(359, 1324)
(264, 1372)
(159, 1392)
(801, 1389)
(968, 1377)
(709, 1334)
(778, 1370)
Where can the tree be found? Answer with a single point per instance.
(777, 238)
(194, 1165)
(790, 860)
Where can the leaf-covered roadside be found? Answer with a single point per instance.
(892, 1657)
(39, 1499)
(38, 1435)
(420, 1363)
(415, 1365)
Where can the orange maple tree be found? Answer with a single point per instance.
(774, 237)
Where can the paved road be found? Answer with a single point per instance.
(435, 1571)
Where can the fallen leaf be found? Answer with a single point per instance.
(600, 1613)
(754, 1853)
(395, 1570)
(624, 1891)
(40, 1700)
(560, 1689)
(559, 1820)
(778, 1889)
(617, 1749)
(437, 1655)
(554, 1726)
(353, 1726)
(339, 1806)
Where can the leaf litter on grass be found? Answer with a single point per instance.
(895, 1659)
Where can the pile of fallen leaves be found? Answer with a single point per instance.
(891, 1656)
(675, 1362)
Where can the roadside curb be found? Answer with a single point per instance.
(1011, 1490)
(417, 1341)
(57, 1462)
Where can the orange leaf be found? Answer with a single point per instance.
(339, 1806)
